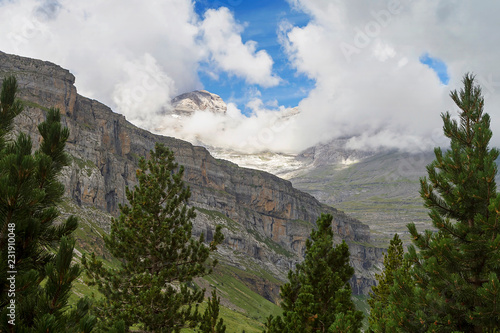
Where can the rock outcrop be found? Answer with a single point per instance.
(267, 220)
(198, 100)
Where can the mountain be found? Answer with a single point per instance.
(279, 164)
(186, 104)
(266, 219)
(379, 187)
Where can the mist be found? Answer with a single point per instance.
(264, 129)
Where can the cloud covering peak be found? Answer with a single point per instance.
(365, 59)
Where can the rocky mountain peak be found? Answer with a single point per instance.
(198, 100)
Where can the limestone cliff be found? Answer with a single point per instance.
(267, 220)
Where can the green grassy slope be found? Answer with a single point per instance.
(242, 309)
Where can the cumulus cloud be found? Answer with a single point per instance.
(145, 87)
(133, 56)
(267, 128)
(365, 58)
(148, 48)
(222, 36)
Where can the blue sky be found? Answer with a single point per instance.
(261, 20)
(438, 66)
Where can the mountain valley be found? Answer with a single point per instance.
(266, 219)
(379, 187)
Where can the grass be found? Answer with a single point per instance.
(235, 321)
(271, 244)
(255, 306)
(219, 217)
(89, 238)
(80, 290)
(30, 104)
(361, 303)
(86, 165)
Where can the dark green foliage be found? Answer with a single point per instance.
(10, 107)
(210, 322)
(317, 297)
(453, 282)
(118, 327)
(43, 249)
(378, 301)
(152, 238)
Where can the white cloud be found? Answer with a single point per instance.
(149, 48)
(222, 36)
(133, 56)
(265, 129)
(383, 51)
(146, 87)
(364, 56)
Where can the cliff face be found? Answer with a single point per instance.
(267, 220)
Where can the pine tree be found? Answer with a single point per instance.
(210, 322)
(378, 301)
(29, 236)
(159, 258)
(454, 276)
(317, 297)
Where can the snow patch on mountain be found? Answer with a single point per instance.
(283, 165)
(204, 119)
(198, 100)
